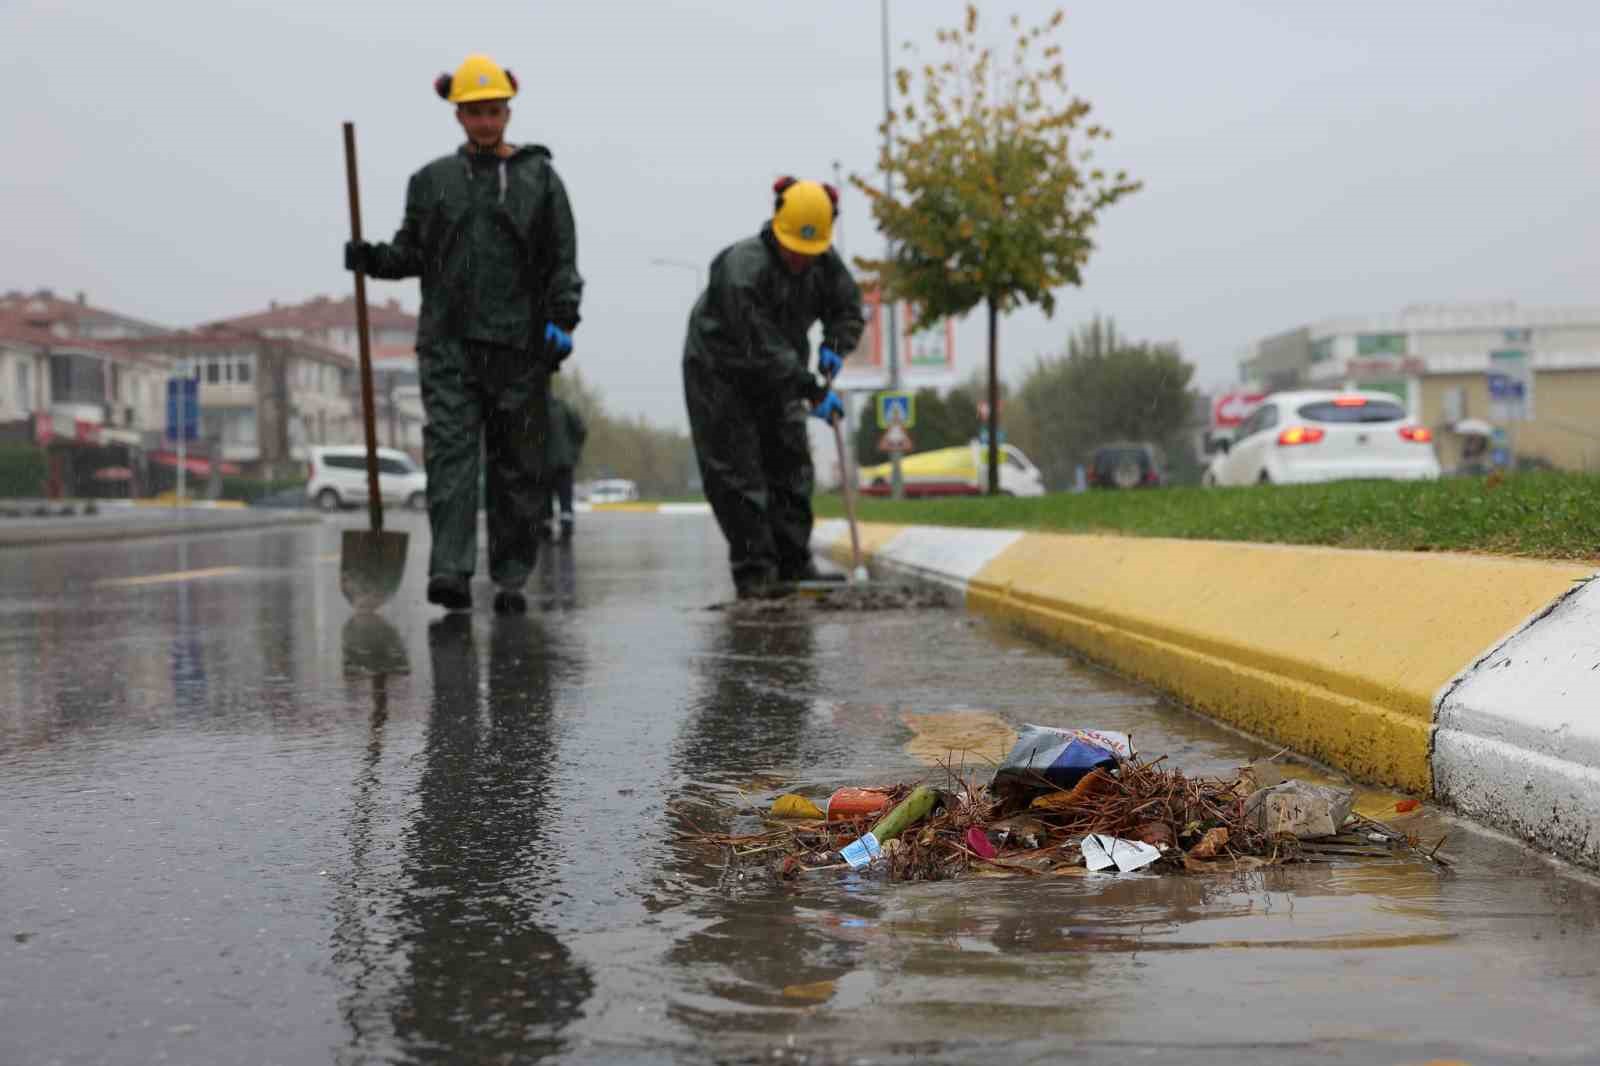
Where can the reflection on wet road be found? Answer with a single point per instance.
(240, 825)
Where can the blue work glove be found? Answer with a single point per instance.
(357, 256)
(829, 362)
(557, 344)
(829, 409)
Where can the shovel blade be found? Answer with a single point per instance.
(371, 566)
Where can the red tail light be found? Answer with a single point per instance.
(1350, 401)
(1416, 434)
(1299, 435)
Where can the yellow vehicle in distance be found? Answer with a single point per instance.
(959, 471)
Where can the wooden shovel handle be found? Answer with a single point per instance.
(374, 499)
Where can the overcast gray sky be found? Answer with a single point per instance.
(181, 161)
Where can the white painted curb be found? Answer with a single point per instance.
(940, 554)
(1517, 741)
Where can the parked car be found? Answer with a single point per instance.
(1316, 435)
(337, 477)
(1127, 465)
(612, 490)
(959, 471)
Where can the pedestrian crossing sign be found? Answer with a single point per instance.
(896, 409)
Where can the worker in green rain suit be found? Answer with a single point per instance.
(563, 447)
(748, 383)
(489, 230)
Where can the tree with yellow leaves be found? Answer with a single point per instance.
(997, 195)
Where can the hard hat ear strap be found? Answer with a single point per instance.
(442, 83)
(779, 187)
(833, 197)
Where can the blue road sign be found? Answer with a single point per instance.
(896, 409)
(183, 409)
(1506, 387)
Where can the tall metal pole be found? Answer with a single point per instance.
(183, 441)
(886, 307)
(838, 229)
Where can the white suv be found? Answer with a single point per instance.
(338, 477)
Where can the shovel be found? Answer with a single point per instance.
(371, 562)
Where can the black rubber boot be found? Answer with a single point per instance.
(453, 592)
(510, 600)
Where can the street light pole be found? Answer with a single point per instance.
(897, 488)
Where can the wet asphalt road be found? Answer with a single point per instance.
(239, 826)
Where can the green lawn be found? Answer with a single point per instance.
(1546, 515)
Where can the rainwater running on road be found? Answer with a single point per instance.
(239, 825)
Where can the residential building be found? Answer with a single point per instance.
(92, 404)
(1533, 373)
(263, 399)
(331, 324)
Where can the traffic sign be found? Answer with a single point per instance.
(1510, 382)
(183, 409)
(895, 440)
(896, 409)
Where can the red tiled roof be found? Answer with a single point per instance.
(14, 327)
(44, 308)
(320, 312)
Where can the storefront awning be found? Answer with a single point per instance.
(191, 464)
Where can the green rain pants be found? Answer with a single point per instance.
(483, 399)
(755, 468)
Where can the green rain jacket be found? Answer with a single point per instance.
(750, 324)
(564, 441)
(494, 243)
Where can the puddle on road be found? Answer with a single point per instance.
(976, 740)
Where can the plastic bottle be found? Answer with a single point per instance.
(849, 804)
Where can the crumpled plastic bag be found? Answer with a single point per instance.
(1046, 757)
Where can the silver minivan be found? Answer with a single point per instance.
(337, 478)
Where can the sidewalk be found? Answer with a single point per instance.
(126, 520)
(1472, 679)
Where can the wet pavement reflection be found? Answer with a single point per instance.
(239, 823)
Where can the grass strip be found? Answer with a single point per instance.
(1540, 515)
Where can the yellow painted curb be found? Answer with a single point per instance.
(1336, 653)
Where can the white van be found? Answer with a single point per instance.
(337, 478)
(612, 490)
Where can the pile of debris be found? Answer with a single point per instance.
(825, 596)
(1067, 803)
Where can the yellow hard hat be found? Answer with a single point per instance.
(477, 78)
(802, 218)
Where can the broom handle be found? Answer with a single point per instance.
(846, 477)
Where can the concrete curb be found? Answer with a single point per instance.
(1472, 679)
(24, 533)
